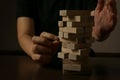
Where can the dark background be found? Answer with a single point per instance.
(8, 35)
(8, 39)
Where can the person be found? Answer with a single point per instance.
(37, 24)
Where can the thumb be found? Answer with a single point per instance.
(56, 43)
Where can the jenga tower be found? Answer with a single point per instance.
(75, 32)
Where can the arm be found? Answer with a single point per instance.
(25, 30)
(39, 48)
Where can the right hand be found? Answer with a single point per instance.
(44, 47)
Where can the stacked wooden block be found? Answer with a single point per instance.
(75, 32)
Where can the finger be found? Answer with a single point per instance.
(45, 50)
(49, 36)
(100, 5)
(56, 43)
(35, 57)
(41, 41)
(45, 59)
(112, 10)
(92, 13)
(42, 59)
(111, 4)
(112, 22)
(41, 49)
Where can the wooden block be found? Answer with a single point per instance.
(74, 46)
(78, 30)
(81, 52)
(78, 40)
(61, 34)
(85, 40)
(74, 12)
(84, 61)
(65, 18)
(71, 18)
(69, 41)
(68, 61)
(78, 57)
(87, 33)
(61, 23)
(86, 19)
(62, 55)
(81, 41)
(73, 66)
(71, 36)
(72, 57)
(82, 19)
(88, 30)
(79, 24)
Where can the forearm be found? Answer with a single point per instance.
(25, 32)
(26, 43)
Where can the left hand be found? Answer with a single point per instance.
(105, 16)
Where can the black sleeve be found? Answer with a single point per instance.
(25, 8)
(91, 4)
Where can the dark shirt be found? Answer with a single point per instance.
(46, 12)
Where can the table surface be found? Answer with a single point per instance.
(21, 67)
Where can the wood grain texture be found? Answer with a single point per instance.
(74, 46)
(74, 12)
(79, 58)
(82, 19)
(62, 55)
(77, 30)
(81, 52)
(71, 36)
(61, 34)
(79, 24)
(79, 41)
(71, 65)
(61, 23)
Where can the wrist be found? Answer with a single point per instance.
(99, 34)
(100, 37)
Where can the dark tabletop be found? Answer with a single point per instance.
(21, 67)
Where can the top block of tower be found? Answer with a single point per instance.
(75, 12)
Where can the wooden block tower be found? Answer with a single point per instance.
(75, 33)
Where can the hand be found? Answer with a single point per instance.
(105, 16)
(44, 47)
